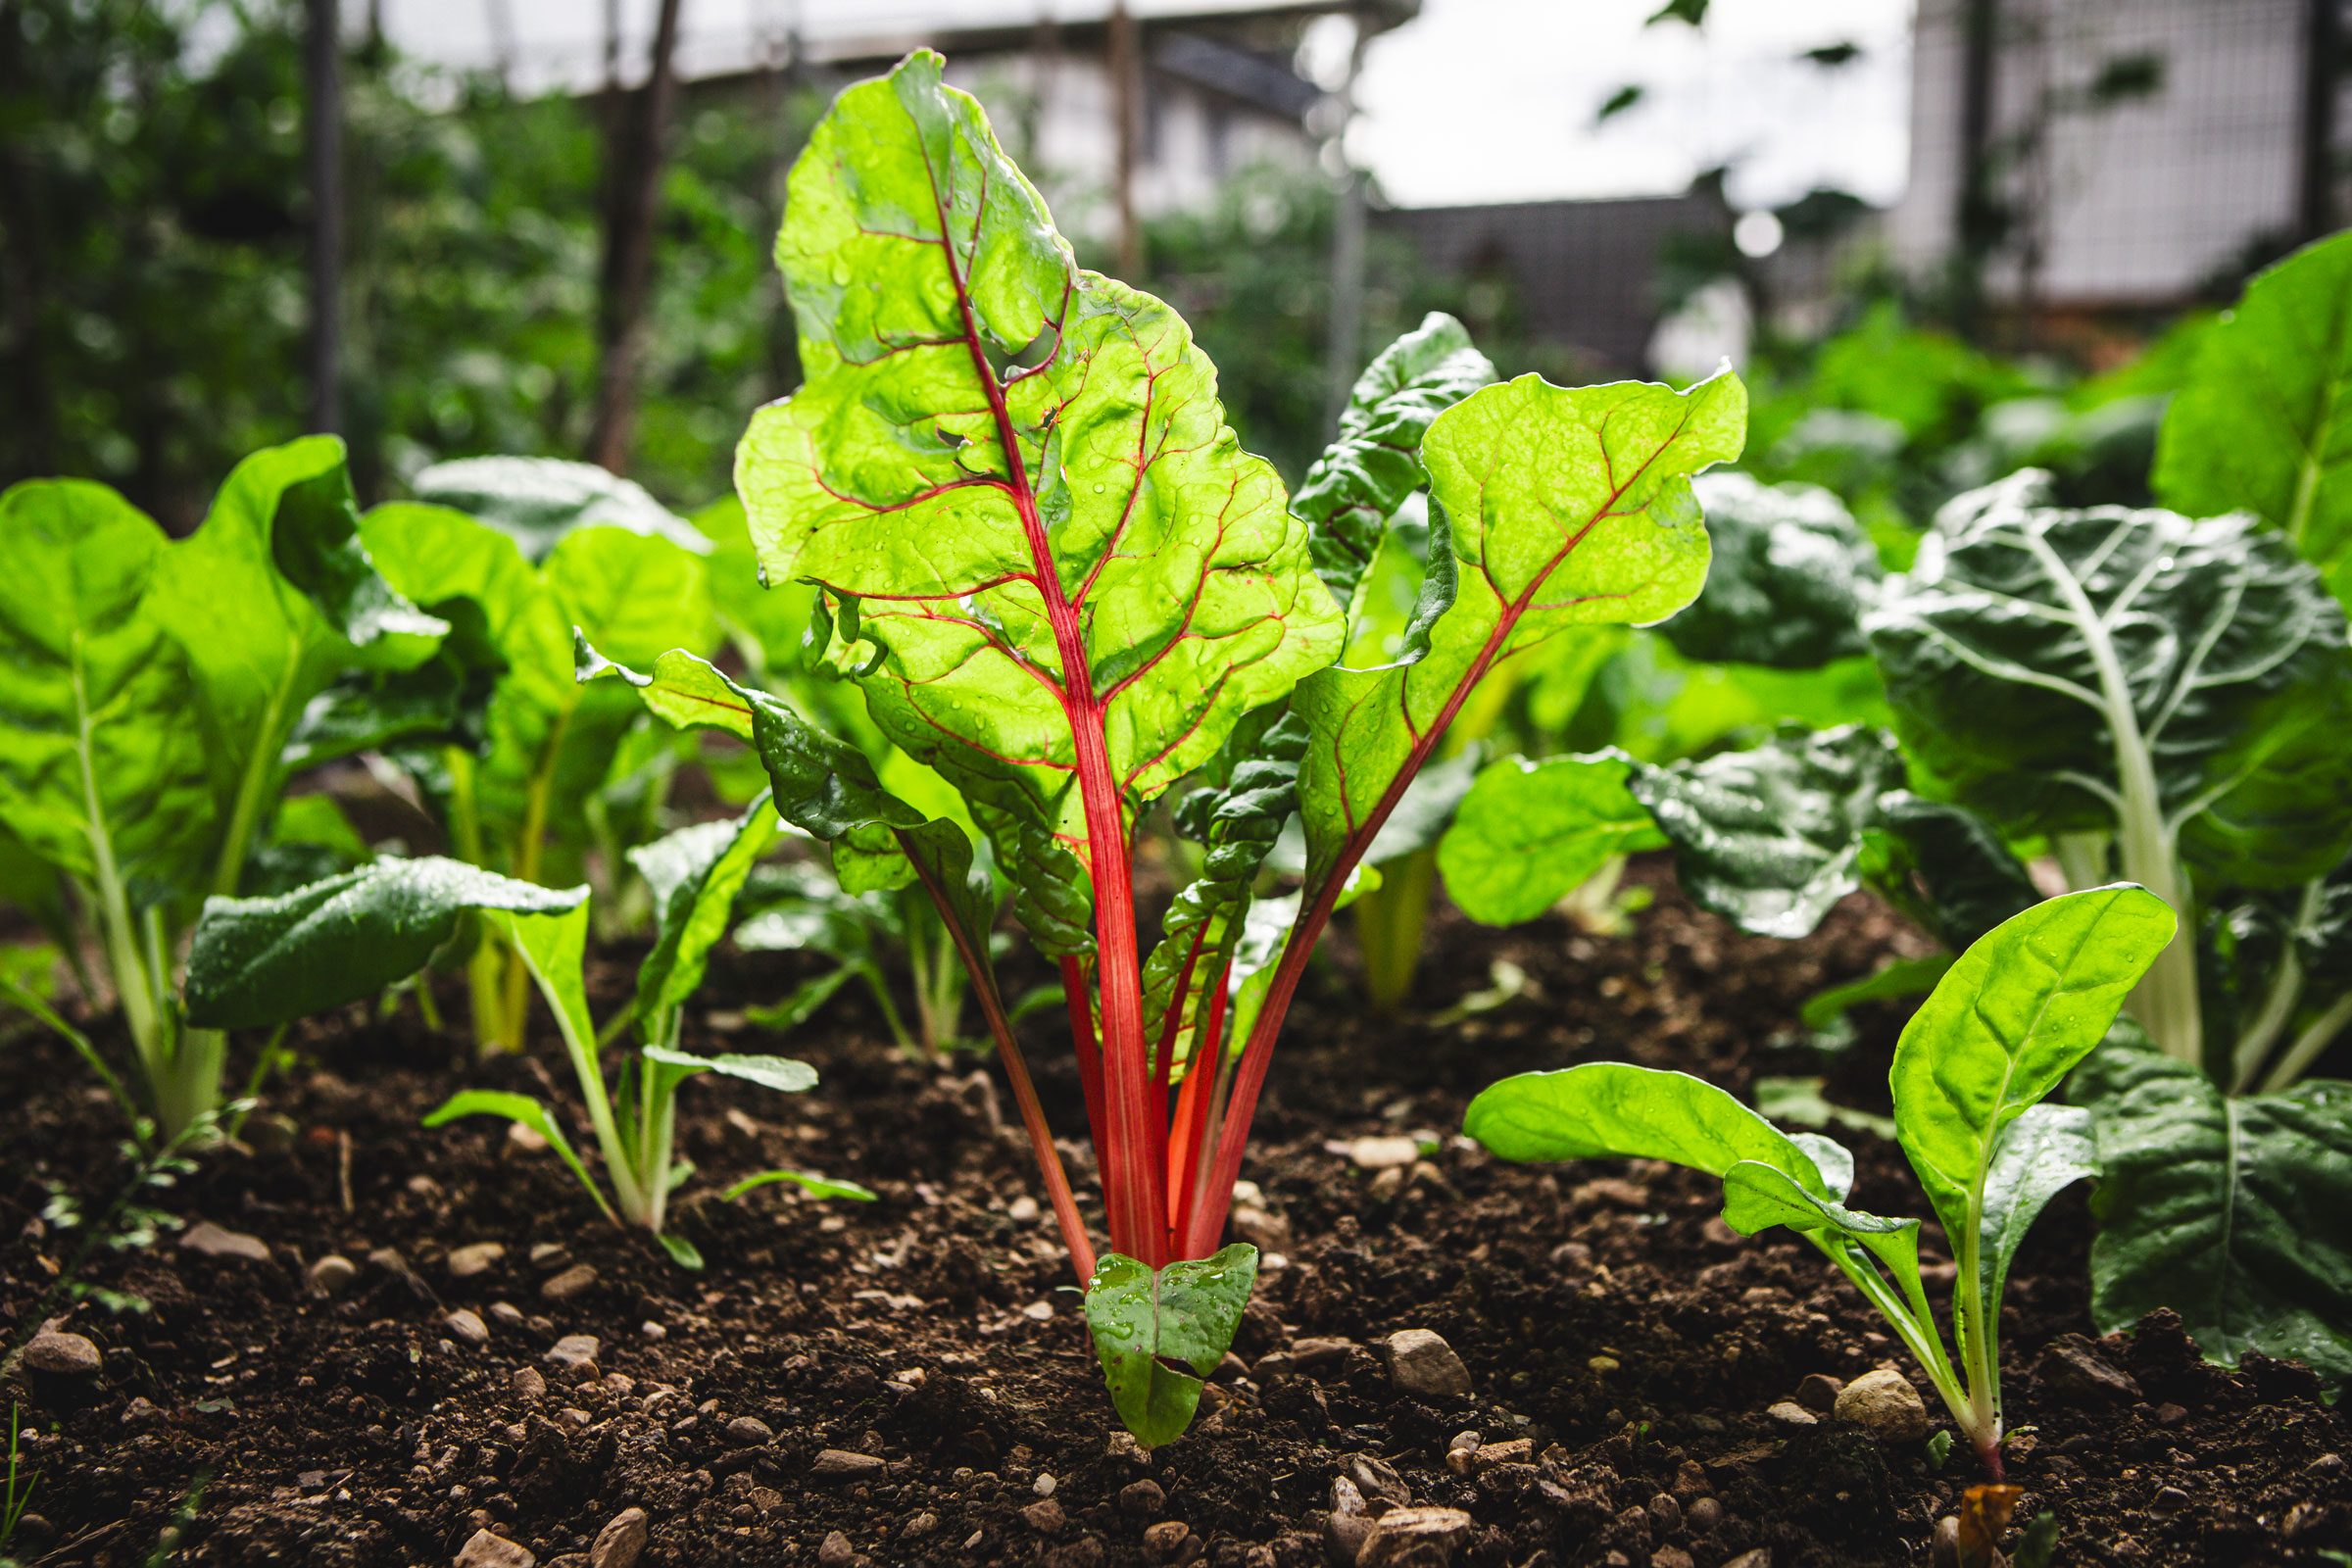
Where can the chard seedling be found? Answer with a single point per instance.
(1998, 1033)
(258, 961)
(1061, 582)
(161, 695)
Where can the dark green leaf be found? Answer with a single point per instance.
(1149, 1323)
(1365, 474)
(258, 963)
(2233, 1212)
(1790, 574)
(2044, 1151)
(694, 875)
(1944, 866)
(1770, 839)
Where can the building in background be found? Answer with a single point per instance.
(2102, 159)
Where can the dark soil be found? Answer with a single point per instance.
(1603, 1311)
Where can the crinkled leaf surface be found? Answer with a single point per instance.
(1374, 462)
(828, 789)
(2006, 1024)
(1551, 508)
(258, 963)
(94, 709)
(1041, 556)
(2230, 1212)
(1790, 574)
(272, 598)
(2035, 655)
(2265, 424)
(1770, 839)
(1529, 834)
(1150, 1324)
(1944, 866)
(694, 874)
(537, 502)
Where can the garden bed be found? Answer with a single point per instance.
(908, 1381)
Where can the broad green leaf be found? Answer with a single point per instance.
(2006, 1024)
(2230, 1212)
(1610, 1111)
(272, 599)
(1800, 1103)
(1026, 558)
(31, 884)
(809, 1182)
(1147, 1324)
(309, 839)
(1551, 508)
(1893, 981)
(526, 1112)
(1529, 834)
(554, 946)
(539, 501)
(1944, 866)
(2265, 424)
(1770, 839)
(2134, 671)
(1757, 1196)
(258, 963)
(102, 775)
(1374, 462)
(695, 874)
(1790, 574)
(2046, 1150)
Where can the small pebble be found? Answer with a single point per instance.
(1819, 1391)
(575, 1281)
(60, 1354)
(332, 1274)
(1022, 1210)
(1760, 1557)
(529, 1383)
(1885, 1405)
(573, 1351)
(750, 1431)
(209, 1240)
(466, 1327)
(1423, 1364)
(1789, 1413)
(1164, 1538)
(486, 1551)
(1045, 1517)
(1703, 1515)
(1142, 1499)
(479, 1257)
(1413, 1535)
(1378, 1154)
(836, 1553)
(506, 1312)
(620, 1542)
(653, 1331)
(845, 1464)
(1603, 1364)
(2168, 1500)
(549, 1254)
(1044, 1484)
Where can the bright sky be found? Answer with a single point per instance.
(1476, 100)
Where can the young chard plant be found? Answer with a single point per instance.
(161, 695)
(258, 963)
(1061, 582)
(518, 787)
(1997, 1035)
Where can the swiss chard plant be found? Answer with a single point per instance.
(261, 962)
(542, 768)
(160, 697)
(1060, 582)
(1971, 1073)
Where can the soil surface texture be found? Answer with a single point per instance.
(348, 1342)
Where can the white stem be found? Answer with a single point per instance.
(2308, 1046)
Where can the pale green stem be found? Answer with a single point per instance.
(2308, 1045)
(253, 788)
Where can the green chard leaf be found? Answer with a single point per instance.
(2094, 671)
(1550, 508)
(1791, 575)
(101, 775)
(258, 963)
(828, 789)
(2044, 1151)
(2265, 423)
(272, 597)
(1943, 866)
(2004, 1027)
(2230, 1210)
(1147, 1324)
(1771, 838)
(538, 501)
(1611, 1110)
(695, 874)
(1374, 463)
(1529, 834)
(1011, 480)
